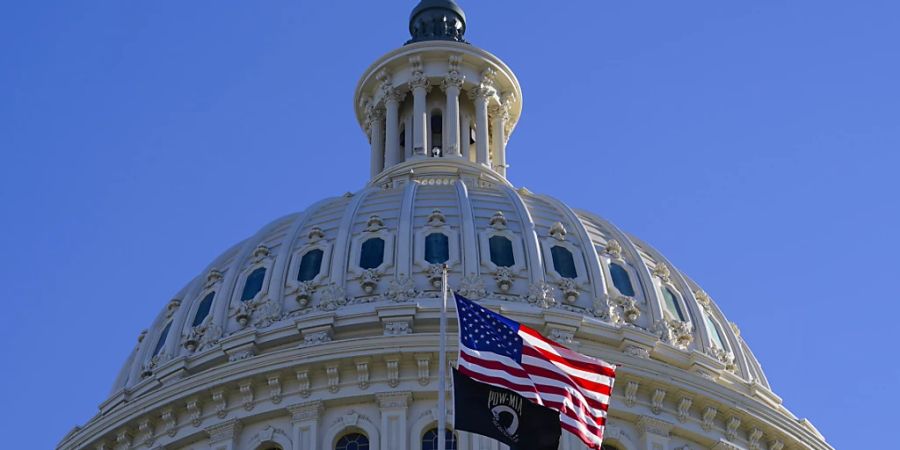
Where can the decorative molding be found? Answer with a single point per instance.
(651, 425)
(709, 414)
(674, 332)
(731, 427)
(334, 378)
(168, 418)
(423, 361)
(684, 408)
(401, 289)
(145, 432)
(472, 287)
(613, 248)
(225, 431)
(306, 411)
(246, 388)
(776, 445)
(657, 400)
(362, 373)
(304, 382)
(393, 370)
(662, 272)
(631, 393)
(755, 435)
(393, 400)
(541, 294)
(220, 401)
(194, 411)
(636, 351)
(395, 327)
(504, 277)
(274, 382)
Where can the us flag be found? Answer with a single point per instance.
(499, 351)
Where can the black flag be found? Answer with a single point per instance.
(503, 415)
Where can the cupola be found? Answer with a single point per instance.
(437, 100)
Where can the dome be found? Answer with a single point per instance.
(323, 326)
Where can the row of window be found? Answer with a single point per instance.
(359, 441)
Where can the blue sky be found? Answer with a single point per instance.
(753, 143)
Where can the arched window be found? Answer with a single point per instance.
(437, 133)
(501, 251)
(352, 441)
(310, 265)
(203, 309)
(430, 440)
(437, 248)
(672, 304)
(563, 262)
(402, 136)
(372, 254)
(621, 280)
(162, 339)
(253, 284)
(714, 332)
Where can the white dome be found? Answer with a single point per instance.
(326, 321)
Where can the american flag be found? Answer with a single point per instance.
(499, 351)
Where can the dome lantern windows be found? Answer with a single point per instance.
(563, 262)
(621, 280)
(436, 127)
(372, 253)
(672, 304)
(501, 251)
(715, 334)
(352, 441)
(437, 248)
(310, 265)
(203, 309)
(431, 437)
(254, 283)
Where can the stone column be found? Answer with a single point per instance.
(481, 96)
(393, 154)
(393, 419)
(500, 116)
(464, 136)
(224, 436)
(654, 433)
(451, 85)
(419, 86)
(375, 118)
(305, 424)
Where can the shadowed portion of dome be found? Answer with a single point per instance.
(437, 20)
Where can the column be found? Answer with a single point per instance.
(481, 95)
(654, 433)
(393, 154)
(500, 115)
(451, 86)
(305, 424)
(419, 86)
(393, 419)
(464, 127)
(224, 436)
(375, 117)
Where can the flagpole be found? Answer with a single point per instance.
(442, 367)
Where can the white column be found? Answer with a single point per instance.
(464, 127)
(393, 154)
(481, 95)
(224, 436)
(451, 85)
(393, 419)
(419, 86)
(654, 433)
(375, 117)
(305, 423)
(500, 116)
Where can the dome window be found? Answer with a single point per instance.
(437, 248)
(714, 332)
(253, 284)
(621, 280)
(672, 305)
(501, 251)
(203, 309)
(372, 254)
(310, 265)
(352, 441)
(430, 440)
(161, 342)
(563, 262)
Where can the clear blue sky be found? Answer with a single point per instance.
(755, 143)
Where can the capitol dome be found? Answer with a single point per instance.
(321, 330)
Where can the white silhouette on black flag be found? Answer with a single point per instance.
(503, 415)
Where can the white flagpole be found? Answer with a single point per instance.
(442, 368)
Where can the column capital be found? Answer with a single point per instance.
(306, 411)
(228, 430)
(393, 400)
(650, 425)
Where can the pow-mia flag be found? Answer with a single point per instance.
(503, 415)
